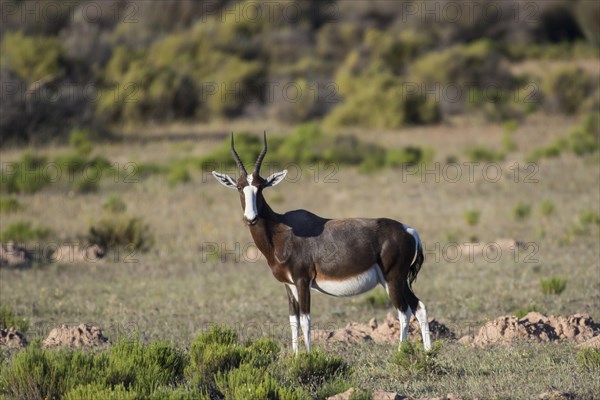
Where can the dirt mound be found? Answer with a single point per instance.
(14, 256)
(12, 338)
(556, 395)
(535, 327)
(386, 332)
(383, 395)
(75, 253)
(83, 335)
(593, 343)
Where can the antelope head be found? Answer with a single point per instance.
(250, 186)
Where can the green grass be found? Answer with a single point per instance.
(114, 204)
(589, 358)
(554, 285)
(412, 360)
(521, 312)
(547, 208)
(484, 154)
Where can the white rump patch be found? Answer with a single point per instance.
(352, 286)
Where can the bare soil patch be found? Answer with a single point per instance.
(83, 335)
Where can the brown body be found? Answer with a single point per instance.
(340, 257)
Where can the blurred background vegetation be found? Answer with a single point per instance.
(105, 66)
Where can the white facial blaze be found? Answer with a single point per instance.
(250, 212)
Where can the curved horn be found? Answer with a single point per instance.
(261, 156)
(236, 157)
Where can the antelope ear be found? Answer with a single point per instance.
(225, 180)
(275, 178)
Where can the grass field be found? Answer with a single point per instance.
(182, 285)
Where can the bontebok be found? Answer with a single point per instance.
(339, 257)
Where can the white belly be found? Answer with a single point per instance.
(352, 286)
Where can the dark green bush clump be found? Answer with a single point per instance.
(121, 231)
(567, 88)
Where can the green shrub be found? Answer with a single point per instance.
(521, 312)
(521, 211)
(37, 373)
(413, 360)
(24, 231)
(585, 138)
(378, 298)
(212, 352)
(589, 217)
(8, 319)
(144, 368)
(547, 207)
(79, 139)
(553, 285)
(28, 175)
(247, 383)
(85, 185)
(114, 204)
(100, 391)
(121, 230)
(510, 126)
(567, 88)
(589, 358)
(316, 368)
(181, 392)
(31, 57)
(483, 154)
(550, 151)
(508, 142)
(9, 205)
(261, 353)
(472, 217)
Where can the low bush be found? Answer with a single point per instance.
(247, 383)
(472, 217)
(144, 368)
(100, 391)
(8, 319)
(212, 352)
(114, 204)
(585, 137)
(24, 231)
(316, 368)
(553, 285)
(9, 205)
(31, 57)
(121, 231)
(521, 211)
(483, 154)
(178, 174)
(589, 217)
(413, 360)
(566, 89)
(521, 312)
(37, 373)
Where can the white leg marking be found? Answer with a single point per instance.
(295, 325)
(421, 315)
(294, 291)
(404, 318)
(305, 324)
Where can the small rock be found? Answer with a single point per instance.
(593, 343)
(465, 340)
